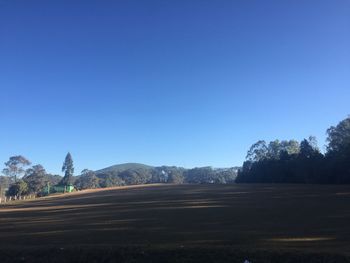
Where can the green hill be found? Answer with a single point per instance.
(123, 167)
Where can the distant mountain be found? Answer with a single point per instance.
(123, 167)
(136, 173)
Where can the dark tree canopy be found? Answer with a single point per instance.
(87, 180)
(17, 189)
(291, 162)
(338, 155)
(285, 162)
(339, 136)
(68, 170)
(309, 148)
(36, 178)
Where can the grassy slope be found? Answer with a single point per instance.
(184, 221)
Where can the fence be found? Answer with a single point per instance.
(7, 199)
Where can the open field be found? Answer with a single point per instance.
(263, 222)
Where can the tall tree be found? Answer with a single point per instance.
(274, 150)
(338, 154)
(308, 149)
(257, 152)
(314, 144)
(68, 170)
(339, 136)
(35, 178)
(15, 166)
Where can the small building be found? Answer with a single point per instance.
(63, 188)
(58, 189)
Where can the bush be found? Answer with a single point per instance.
(18, 188)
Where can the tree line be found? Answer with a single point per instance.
(162, 174)
(20, 178)
(286, 161)
(290, 161)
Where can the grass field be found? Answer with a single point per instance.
(181, 223)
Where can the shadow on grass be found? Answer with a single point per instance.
(160, 255)
(271, 217)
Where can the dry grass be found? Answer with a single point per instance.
(287, 219)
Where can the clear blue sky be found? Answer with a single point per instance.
(183, 82)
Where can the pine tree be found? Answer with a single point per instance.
(68, 170)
